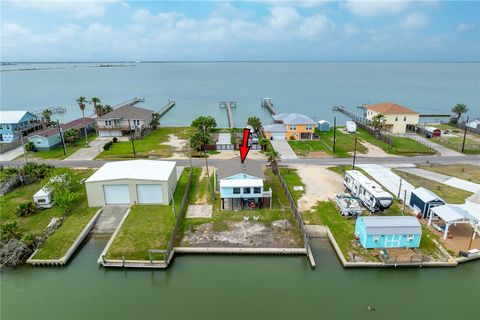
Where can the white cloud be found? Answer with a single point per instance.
(76, 9)
(414, 21)
(283, 17)
(464, 27)
(13, 30)
(315, 25)
(350, 29)
(379, 7)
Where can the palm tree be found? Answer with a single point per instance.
(98, 109)
(263, 142)
(378, 121)
(81, 104)
(255, 122)
(273, 156)
(107, 108)
(46, 114)
(71, 136)
(95, 101)
(459, 109)
(155, 120)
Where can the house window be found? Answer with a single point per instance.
(396, 118)
(410, 237)
(138, 122)
(405, 118)
(246, 190)
(109, 122)
(376, 237)
(41, 201)
(106, 122)
(257, 190)
(293, 127)
(236, 190)
(309, 128)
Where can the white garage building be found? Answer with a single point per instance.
(132, 182)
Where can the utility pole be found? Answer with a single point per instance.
(334, 133)
(131, 139)
(206, 163)
(173, 204)
(23, 146)
(354, 153)
(400, 189)
(465, 135)
(61, 137)
(471, 239)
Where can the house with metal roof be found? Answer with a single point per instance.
(51, 137)
(132, 182)
(241, 185)
(124, 121)
(12, 123)
(452, 215)
(421, 200)
(290, 126)
(397, 117)
(388, 232)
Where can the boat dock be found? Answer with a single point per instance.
(170, 104)
(129, 103)
(267, 103)
(229, 105)
(54, 110)
(350, 114)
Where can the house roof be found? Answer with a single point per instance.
(275, 128)
(232, 167)
(323, 121)
(450, 213)
(293, 118)
(77, 124)
(8, 117)
(392, 225)
(153, 170)
(390, 108)
(127, 112)
(426, 195)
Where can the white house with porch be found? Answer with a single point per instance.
(452, 215)
(242, 185)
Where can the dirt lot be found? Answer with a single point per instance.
(373, 151)
(178, 146)
(229, 154)
(278, 234)
(321, 184)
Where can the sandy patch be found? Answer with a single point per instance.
(199, 211)
(178, 146)
(318, 154)
(320, 184)
(230, 154)
(373, 151)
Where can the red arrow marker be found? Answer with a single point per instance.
(245, 147)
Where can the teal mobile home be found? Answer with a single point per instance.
(388, 232)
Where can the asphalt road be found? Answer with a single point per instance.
(313, 161)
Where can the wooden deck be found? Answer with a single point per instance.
(229, 105)
(268, 104)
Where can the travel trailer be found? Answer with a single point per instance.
(368, 191)
(43, 198)
(351, 127)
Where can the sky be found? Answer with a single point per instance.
(350, 30)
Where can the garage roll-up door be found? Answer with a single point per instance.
(116, 194)
(278, 135)
(150, 193)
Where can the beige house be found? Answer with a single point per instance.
(398, 117)
(124, 121)
(132, 182)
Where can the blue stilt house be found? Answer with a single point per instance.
(388, 232)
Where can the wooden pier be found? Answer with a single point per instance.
(229, 105)
(54, 110)
(267, 103)
(129, 103)
(351, 114)
(170, 104)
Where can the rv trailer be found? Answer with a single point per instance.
(368, 191)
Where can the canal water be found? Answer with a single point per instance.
(238, 287)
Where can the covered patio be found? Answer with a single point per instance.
(452, 215)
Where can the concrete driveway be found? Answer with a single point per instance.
(11, 154)
(94, 149)
(109, 219)
(388, 179)
(282, 147)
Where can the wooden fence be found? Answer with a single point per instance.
(377, 135)
(180, 216)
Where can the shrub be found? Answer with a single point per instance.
(25, 209)
(453, 121)
(115, 140)
(29, 146)
(9, 230)
(107, 145)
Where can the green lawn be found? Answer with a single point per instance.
(345, 144)
(147, 227)
(57, 152)
(455, 143)
(150, 145)
(449, 194)
(292, 179)
(59, 242)
(469, 172)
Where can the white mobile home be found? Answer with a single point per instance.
(351, 127)
(370, 193)
(43, 198)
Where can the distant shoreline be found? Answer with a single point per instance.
(231, 61)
